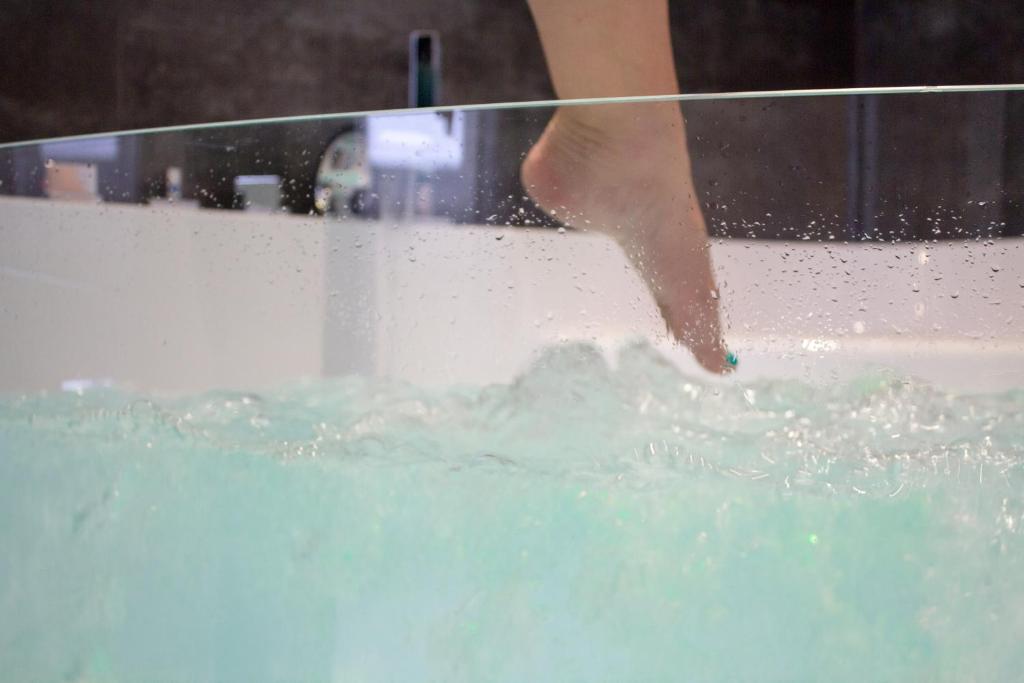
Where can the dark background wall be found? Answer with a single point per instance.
(75, 67)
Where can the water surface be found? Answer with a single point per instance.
(589, 521)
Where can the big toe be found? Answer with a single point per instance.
(698, 327)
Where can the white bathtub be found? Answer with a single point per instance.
(175, 300)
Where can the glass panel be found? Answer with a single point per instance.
(331, 398)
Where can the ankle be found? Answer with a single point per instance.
(632, 122)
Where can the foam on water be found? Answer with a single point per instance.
(586, 522)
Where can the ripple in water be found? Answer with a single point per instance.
(585, 522)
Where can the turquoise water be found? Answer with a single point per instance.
(585, 522)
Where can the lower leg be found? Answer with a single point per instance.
(607, 48)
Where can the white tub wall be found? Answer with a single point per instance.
(174, 300)
(168, 300)
(472, 307)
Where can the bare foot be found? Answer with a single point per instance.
(624, 169)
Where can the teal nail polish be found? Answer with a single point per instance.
(732, 359)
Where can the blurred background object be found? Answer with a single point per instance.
(71, 69)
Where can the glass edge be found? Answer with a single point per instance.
(536, 104)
